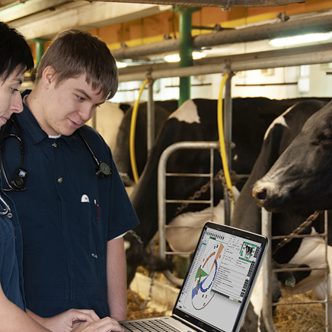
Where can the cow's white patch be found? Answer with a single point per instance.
(280, 120)
(126, 245)
(312, 253)
(187, 112)
(184, 236)
(256, 297)
(108, 120)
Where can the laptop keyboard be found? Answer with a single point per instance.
(157, 325)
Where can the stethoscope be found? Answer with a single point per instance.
(4, 207)
(17, 182)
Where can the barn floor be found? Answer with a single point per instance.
(142, 303)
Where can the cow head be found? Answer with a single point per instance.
(301, 179)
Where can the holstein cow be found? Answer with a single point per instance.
(195, 120)
(288, 190)
(108, 119)
(162, 110)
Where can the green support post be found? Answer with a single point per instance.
(186, 49)
(40, 43)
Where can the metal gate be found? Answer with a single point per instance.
(162, 199)
(266, 230)
(268, 270)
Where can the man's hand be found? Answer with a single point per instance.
(106, 324)
(65, 321)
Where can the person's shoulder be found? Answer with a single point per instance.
(93, 137)
(90, 132)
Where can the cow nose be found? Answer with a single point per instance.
(263, 191)
(259, 193)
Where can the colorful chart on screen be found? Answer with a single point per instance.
(205, 275)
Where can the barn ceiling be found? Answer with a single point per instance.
(43, 19)
(220, 3)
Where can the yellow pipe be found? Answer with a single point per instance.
(132, 153)
(221, 137)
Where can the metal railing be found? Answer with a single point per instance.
(163, 200)
(266, 230)
(268, 270)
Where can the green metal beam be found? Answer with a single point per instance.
(40, 43)
(186, 48)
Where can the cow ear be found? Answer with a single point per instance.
(125, 107)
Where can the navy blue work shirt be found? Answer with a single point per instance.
(11, 279)
(68, 215)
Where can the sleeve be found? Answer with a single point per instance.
(122, 214)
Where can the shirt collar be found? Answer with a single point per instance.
(29, 124)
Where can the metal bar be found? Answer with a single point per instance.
(173, 201)
(234, 58)
(40, 44)
(249, 61)
(299, 236)
(162, 195)
(186, 48)
(150, 132)
(174, 253)
(228, 143)
(267, 272)
(194, 175)
(327, 272)
(282, 269)
(317, 23)
(211, 177)
(171, 226)
(298, 303)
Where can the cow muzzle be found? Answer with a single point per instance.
(267, 195)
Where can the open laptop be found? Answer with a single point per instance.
(215, 293)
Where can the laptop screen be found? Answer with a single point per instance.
(215, 291)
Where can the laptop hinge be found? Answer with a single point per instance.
(185, 322)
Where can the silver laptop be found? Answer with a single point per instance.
(215, 293)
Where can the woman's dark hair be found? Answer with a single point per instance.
(14, 51)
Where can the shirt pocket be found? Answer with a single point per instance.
(91, 228)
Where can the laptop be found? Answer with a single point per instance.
(216, 290)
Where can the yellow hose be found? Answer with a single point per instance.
(132, 153)
(221, 135)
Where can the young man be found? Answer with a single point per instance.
(15, 59)
(72, 204)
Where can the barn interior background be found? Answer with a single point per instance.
(157, 27)
(155, 39)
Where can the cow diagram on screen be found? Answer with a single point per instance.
(205, 275)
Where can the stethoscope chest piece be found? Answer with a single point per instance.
(103, 169)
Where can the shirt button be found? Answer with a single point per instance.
(9, 215)
(60, 180)
(55, 145)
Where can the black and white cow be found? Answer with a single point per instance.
(162, 109)
(195, 120)
(279, 143)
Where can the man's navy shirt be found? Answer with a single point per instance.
(68, 215)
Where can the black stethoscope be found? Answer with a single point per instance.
(17, 182)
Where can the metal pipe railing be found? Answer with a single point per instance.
(268, 271)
